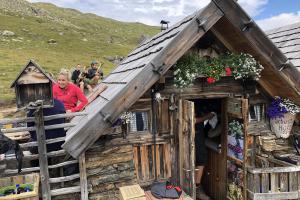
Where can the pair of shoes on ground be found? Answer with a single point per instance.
(200, 194)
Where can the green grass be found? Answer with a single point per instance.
(105, 37)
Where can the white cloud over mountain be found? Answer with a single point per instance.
(152, 11)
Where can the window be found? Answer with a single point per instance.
(139, 121)
(257, 112)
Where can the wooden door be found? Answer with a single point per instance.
(237, 112)
(186, 136)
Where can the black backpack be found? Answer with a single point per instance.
(162, 190)
(7, 144)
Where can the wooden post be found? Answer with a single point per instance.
(83, 177)
(191, 138)
(43, 161)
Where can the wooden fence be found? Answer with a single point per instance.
(274, 183)
(47, 182)
(144, 161)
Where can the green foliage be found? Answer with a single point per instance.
(191, 66)
(13, 187)
(80, 38)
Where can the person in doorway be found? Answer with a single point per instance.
(69, 93)
(201, 152)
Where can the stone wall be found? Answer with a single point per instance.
(108, 168)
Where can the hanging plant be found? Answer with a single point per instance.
(235, 128)
(186, 70)
(191, 66)
(280, 106)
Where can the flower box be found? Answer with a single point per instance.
(33, 179)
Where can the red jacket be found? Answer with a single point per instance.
(70, 96)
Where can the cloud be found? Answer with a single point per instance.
(253, 7)
(279, 20)
(141, 10)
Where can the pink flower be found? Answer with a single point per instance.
(228, 71)
(210, 80)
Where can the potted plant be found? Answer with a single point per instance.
(240, 66)
(282, 113)
(235, 139)
(126, 117)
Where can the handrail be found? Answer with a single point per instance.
(46, 118)
(274, 169)
(49, 127)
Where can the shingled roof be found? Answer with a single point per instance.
(148, 62)
(287, 39)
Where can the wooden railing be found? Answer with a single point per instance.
(58, 182)
(274, 183)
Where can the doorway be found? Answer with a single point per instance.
(212, 149)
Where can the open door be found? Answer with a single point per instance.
(186, 137)
(237, 147)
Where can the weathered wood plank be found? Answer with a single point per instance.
(276, 195)
(136, 162)
(68, 190)
(274, 170)
(64, 178)
(180, 141)
(274, 182)
(83, 178)
(158, 165)
(284, 185)
(264, 183)
(256, 183)
(144, 162)
(293, 182)
(43, 160)
(167, 161)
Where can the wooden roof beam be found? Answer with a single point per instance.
(261, 44)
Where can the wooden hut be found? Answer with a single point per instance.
(33, 84)
(222, 26)
(158, 142)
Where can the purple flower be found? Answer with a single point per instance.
(276, 109)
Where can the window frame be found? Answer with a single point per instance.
(149, 114)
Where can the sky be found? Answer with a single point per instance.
(268, 14)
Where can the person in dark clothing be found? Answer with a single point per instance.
(58, 108)
(94, 71)
(201, 152)
(75, 74)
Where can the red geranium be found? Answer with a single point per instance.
(228, 71)
(210, 80)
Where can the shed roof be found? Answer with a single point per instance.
(287, 39)
(149, 61)
(31, 63)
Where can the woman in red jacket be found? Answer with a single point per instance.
(69, 93)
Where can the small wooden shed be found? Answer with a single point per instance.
(33, 84)
(113, 160)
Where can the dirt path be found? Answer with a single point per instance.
(7, 111)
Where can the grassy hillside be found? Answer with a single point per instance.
(79, 38)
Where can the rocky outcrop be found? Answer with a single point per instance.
(7, 33)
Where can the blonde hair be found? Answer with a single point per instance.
(66, 73)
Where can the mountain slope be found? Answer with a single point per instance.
(58, 37)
